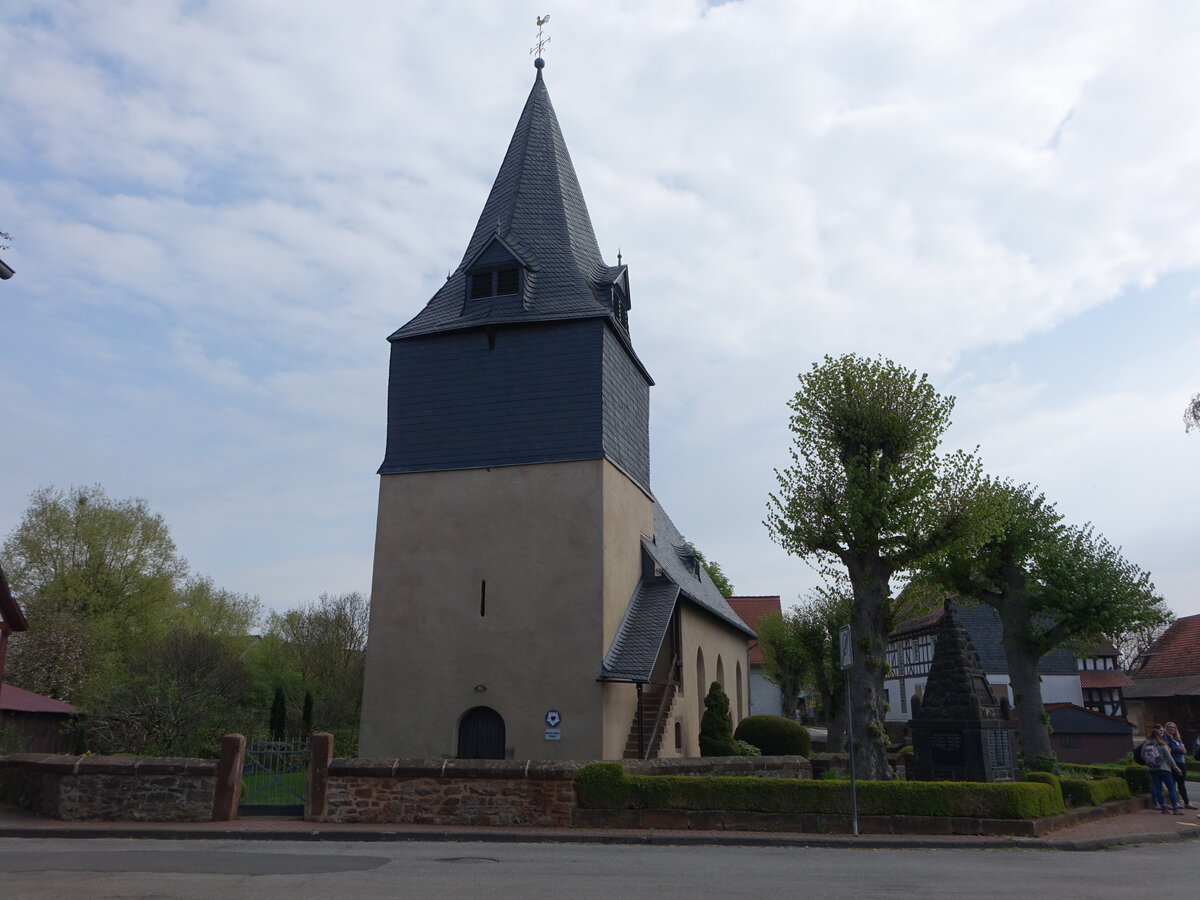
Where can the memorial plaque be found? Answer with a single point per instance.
(1000, 747)
(946, 748)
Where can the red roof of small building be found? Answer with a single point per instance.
(1104, 678)
(1176, 653)
(15, 699)
(750, 610)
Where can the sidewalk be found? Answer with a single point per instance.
(1145, 826)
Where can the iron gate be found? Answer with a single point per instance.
(274, 778)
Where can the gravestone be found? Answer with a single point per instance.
(959, 732)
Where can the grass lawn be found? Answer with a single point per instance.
(261, 788)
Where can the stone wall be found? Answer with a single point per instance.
(113, 788)
(450, 792)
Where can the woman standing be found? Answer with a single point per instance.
(1157, 757)
(1179, 755)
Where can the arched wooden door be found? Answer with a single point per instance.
(481, 734)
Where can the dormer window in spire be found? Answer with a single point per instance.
(495, 282)
(495, 272)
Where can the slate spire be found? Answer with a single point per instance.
(536, 215)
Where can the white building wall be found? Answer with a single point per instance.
(765, 698)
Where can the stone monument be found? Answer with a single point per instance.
(959, 732)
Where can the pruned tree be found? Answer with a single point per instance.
(1051, 584)
(867, 490)
(1191, 414)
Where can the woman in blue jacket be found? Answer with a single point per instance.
(1179, 754)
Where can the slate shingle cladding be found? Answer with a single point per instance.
(546, 375)
(635, 647)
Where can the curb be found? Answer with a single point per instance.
(653, 838)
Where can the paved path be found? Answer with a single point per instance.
(1146, 826)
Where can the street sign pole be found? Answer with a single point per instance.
(847, 648)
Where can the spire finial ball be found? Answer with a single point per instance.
(539, 63)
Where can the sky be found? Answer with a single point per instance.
(220, 210)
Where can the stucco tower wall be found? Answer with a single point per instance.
(536, 536)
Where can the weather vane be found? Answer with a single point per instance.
(541, 42)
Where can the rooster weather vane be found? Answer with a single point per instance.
(540, 46)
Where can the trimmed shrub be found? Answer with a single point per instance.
(716, 728)
(613, 789)
(775, 736)
(602, 785)
(1083, 792)
(1046, 778)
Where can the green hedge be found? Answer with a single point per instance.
(606, 786)
(1082, 792)
(1046, 778)
(1135, 775)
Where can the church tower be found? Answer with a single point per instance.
(516, 535)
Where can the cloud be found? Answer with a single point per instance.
(222, 209)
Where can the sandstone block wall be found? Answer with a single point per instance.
(113, 788)
(450, 792)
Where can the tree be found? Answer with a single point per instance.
(1191, 414)
(716, 726)
(1050, 584)
(99, 579)
(278, 725)
(867, 490)
(325, 643)
(801, 650)
(104, 558)
(1131, 644)
(182, 692)
(719, 578)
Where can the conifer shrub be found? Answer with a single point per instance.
(716, 727)
(774, 735)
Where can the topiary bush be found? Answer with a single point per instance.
(775, 735)
(716, 728)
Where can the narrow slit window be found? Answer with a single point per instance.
(482, 599)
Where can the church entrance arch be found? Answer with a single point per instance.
(481, 734)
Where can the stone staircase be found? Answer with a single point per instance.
(654, 697)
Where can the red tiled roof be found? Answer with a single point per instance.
(750, 610)
(15, 699)
(1177, 652)
(1104, 678)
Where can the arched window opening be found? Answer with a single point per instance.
(741, 713)
(701, 683)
